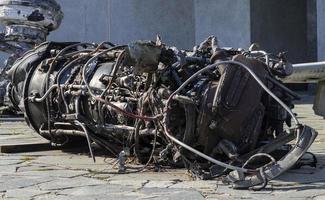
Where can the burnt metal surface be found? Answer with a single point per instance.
(27, 24)
(219, 112)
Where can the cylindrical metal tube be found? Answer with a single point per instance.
(307, 72)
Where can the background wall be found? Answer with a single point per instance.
(279, 25)
(182, 23)
(127, 20)
(228, 20)
(83, 20)
(296, 26)
(321, 29)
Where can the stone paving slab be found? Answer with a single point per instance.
(24, 192)
(17, 137)
(67, 183)
(70, 175)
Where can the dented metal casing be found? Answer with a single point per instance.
(29, 20)
(27, 24)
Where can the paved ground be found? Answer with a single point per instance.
(71, 175)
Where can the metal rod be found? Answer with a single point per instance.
(88, 139)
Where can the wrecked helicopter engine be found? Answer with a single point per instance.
(216, 111)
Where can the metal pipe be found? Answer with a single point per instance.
(304, 72)
(48, 92)
(266, 55)
(312, 64)
(280, 85)
(64, 132)
(88, 139)
(77, 107)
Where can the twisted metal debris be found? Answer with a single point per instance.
(217, 111)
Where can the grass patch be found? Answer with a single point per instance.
(27, 158)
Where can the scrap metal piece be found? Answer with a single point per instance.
(27, 24)
(306, 135)
(319, 102)
(144, 56)
(45, 14)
